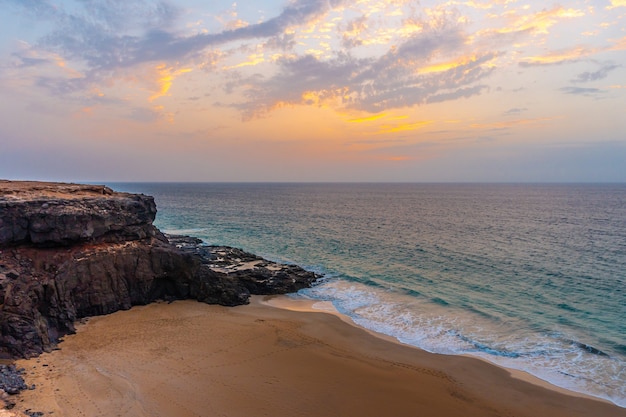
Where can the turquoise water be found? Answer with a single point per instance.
(530, 277)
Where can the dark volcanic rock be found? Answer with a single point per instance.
(11, 380)
(71, 213)
(89, 251)
(54, 288)
(257, 275)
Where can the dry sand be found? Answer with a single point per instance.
(191, 359)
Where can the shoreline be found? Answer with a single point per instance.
(313, 306)
(187, 358)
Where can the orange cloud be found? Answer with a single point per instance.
(403, 127)
(166, 76)
(368, 119)
(540, 22)
(410, 26)
(617, 3)
(472, 4)
(236, 24)
(253, 60)
(558, 57)
(445, 66)
(620, 44)
(325, 98)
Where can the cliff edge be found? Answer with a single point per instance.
(69, 251)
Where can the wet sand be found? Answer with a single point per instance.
(191, 359)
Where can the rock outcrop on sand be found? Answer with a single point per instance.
(71, 251)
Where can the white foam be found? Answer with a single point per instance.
(446, 330)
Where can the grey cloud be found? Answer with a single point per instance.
(95, 37)
(300, 11)
(524, 64)
(581, 91)
(40, 9)
(106, 36)
(98, 35)
(30, 62)
(144, 115)
(62, 86)
(456, 94)
(355, 24)
(596, 75)
(123, 14)
(374, 85)
(515, 111)
(417, 49)
(283, 42)
(373, 91)
(298, 75)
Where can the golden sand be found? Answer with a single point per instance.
(191, 359)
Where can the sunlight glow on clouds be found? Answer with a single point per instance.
(617, 3)
(166, 76)
(195, 76)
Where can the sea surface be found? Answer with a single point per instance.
(530, 277)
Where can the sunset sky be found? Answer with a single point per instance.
(313, 90)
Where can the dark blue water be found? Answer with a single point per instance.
(527, 276)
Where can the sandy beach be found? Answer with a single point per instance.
(191, 359)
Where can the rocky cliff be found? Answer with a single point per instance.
(70, 251)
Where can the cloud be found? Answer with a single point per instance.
(582, 91)
(352, 32)
(507, 124)
(165, 78)
(394, 79)
(145, 115)
(616, 3)
(31, 62)
(403, 127)
(425, 56)
(539, 23)
(161, 45)
(368, 118)
(111, 41)
(40, 9)
(574, 54)
(104, 37)
(103, 34)
(457, 93)
(515, 111)
(596, 75)
(619, 44)
(557, 57)
(63, 85)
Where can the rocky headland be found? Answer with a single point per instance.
(70, 251)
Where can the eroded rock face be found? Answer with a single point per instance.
(71, 251)
(45, 290)
(64, 214)
(257, 275)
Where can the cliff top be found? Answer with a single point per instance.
(34, 190)
(48, 213)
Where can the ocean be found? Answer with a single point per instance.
(527, 276)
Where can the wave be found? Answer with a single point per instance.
(434, 325)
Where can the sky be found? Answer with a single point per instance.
(313, 90)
